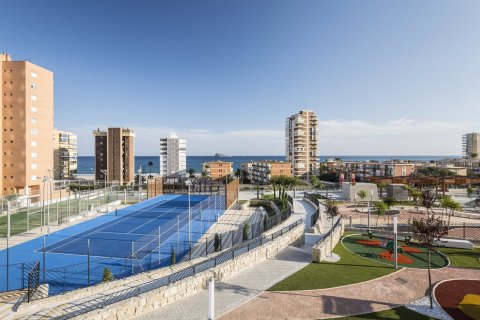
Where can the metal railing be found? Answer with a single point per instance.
(212, 262)
(316, 214)
(330, 232)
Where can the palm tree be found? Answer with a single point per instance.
(381, 186)
(150, 164)
(191, 172)
(474, 155)
(380, 208)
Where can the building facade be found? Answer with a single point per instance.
(27, 126)
(173, 156)
(217, 169)
(301, 143)
(367, 169)
(471, 144)
(263, 171)
(114, 155)
(65, 154)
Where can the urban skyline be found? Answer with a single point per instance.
(368, 76)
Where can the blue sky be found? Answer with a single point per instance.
(385, 77)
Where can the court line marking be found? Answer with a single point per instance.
(105, 225)
(123, 218)
(133, 216)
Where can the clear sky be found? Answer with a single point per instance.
(385, 77)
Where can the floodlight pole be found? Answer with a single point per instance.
(395, 242)
(159, 244)
(8, 240)
(188, 182)
(139, 183)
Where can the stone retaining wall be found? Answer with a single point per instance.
(323, 249)
(158, 298)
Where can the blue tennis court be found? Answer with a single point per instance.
(137, 238)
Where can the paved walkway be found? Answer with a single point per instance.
(388, 292)
(244, 286)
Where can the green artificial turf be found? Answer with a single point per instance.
(350, 269)
(462, 257)
(401, 313)
(419, 260)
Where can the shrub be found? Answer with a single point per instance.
(173, 257)
(246, 228)
(217, 243)
(107, 275)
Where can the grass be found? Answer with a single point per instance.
(463, 258)
(19, 224)
(395, 313)
(350, 269)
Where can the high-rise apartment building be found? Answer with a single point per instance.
(471, 144)
(263, 171)
(301, 143)
(114, 155)
(26, 155)
(65, 154)
(173, 156)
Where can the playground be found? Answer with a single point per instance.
(459, 298)
(381, 249)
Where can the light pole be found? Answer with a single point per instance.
(139, 183)
(188, 183)
(104, 184)
(50, 175)
(47, 179)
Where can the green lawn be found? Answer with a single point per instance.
(350, 269)
(462, 257)
(401, 313)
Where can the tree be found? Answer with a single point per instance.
(474, 155)
(450, 205)
(427, 232)
(173, 256)
(435, 172)
(381, 186)
(191, 172)
(107, 275)
(150, 164)
(389, 201)
(380, 208)
(415, 194)
(331, 210)
(428, 200)
(362, 194)
(238, 173)
(470, 191)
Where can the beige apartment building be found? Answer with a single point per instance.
(471, 144)
(27, 126)
(263, 171)
(217, 169)
(65, 154)
(367, 169)
(115, 155)
(301, 143)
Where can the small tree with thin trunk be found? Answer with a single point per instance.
(331, 210)
(362, 194)
(428, 200)
(427, 232)
(470, 191)
(389, 201)
(380, 208)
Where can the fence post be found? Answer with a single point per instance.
(464, 236)
(206, 247)
(159, 246)
(23, 275)
(44, 259)
(88, 261)
(350, 221)
(231, 232)
(133, 254)
(28, 213)
(8, 240)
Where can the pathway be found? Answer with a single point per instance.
(244, 286)
(390, 291)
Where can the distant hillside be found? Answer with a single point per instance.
(221, 155)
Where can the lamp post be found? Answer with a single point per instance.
(50, 175)
(139, 183)
(47, 179)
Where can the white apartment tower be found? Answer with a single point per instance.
(301, 143)
(173, 156)
(471, 144)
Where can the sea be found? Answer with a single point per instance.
(86, 164)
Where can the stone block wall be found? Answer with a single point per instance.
(323, 249)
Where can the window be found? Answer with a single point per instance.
(34, 154)
(34, 109)
(34, 98)
(33, 120)
(34, 166)
(33, 74)
(34, 143)
(34, 132)
(33, 86)
(34, 178)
